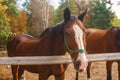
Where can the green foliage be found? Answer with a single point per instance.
(63, 5)
(26, 6)
(12, 8)
(115, 21)
(101, 17)
(4, 24)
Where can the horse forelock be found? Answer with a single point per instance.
(73, 18)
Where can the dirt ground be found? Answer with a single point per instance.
(98, 72)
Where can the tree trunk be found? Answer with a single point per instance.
(40, 15)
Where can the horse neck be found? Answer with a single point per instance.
(57, 45)
(54, 43)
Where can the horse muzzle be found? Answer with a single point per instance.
(79, 66)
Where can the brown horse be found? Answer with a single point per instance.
(67, 36)
(103, 41)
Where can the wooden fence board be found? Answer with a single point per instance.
(42, 60)
(46, 60)
(103, 57)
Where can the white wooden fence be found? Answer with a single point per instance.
(46, 60)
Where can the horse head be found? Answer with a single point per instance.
(74, 31)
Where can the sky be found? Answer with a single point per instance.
(115, 7)
(54, 3)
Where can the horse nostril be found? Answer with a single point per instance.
(77, 64)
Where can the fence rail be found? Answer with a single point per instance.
(46, 60)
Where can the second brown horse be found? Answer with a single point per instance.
(103, 41)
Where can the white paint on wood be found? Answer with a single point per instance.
(46, 60)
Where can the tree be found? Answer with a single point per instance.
(4, 24)
(39, 16)
(101, 16)
(18, 24)
(63, 4)
(83, 5)
(10, 19)
(115, 21)
(51, 15)
(22, 22)
(12, 8)
(17, 19)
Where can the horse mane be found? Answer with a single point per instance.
(47, 29)
(55, 30)
(58, 28)
(118, 34)
(110, 30)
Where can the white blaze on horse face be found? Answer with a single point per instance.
(79, 41)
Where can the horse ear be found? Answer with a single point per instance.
(81, 16)
(67, 15)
